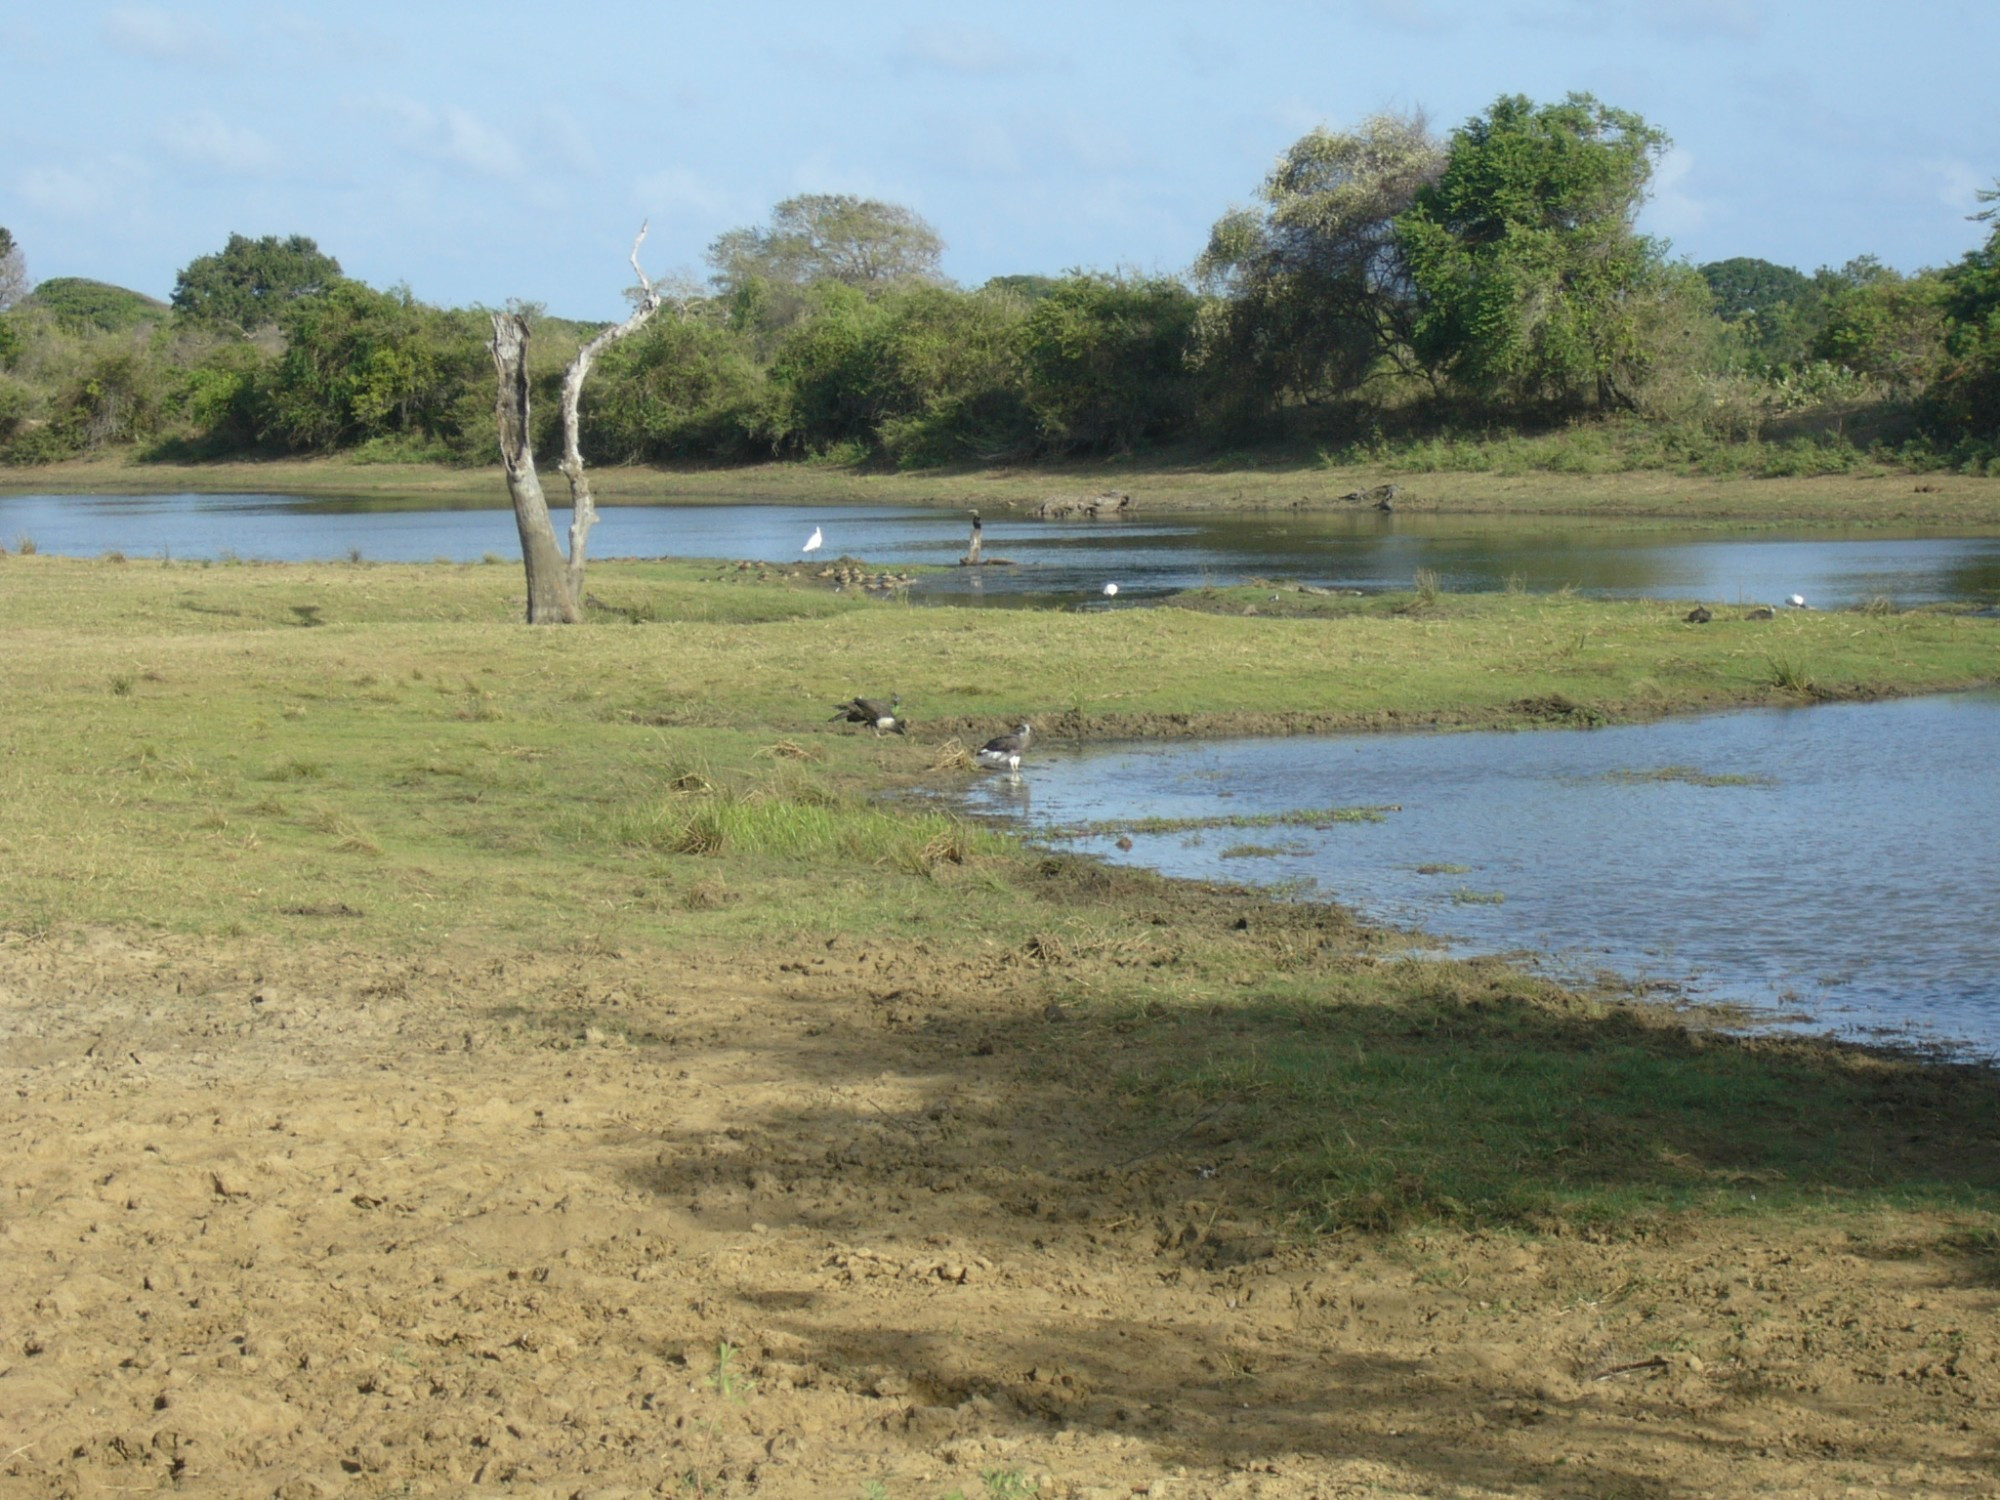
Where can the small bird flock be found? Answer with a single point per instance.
(1003, 751)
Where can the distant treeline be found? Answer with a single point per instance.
(1385, 289)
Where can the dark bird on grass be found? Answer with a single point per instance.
(873, 712)
(1699, 615)
(1006, 749)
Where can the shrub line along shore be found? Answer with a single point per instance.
(1878, 496)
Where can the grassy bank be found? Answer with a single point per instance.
(378, 757)
(1865, 495)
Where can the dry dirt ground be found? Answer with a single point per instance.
(311, 1223)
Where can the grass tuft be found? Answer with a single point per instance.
(1791, 674)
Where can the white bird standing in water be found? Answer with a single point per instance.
(1797, 601)
(813, 542)
(1110, 590)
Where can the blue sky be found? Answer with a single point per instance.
(485, 151)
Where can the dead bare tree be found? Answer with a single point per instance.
(555, 583)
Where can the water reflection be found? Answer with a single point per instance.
(1834, 862)
(1063, 562)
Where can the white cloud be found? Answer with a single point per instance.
(100, 190)
(1706, 20)
(145, 31)
(1959, 183)
(567, 143)
(471, 142)
(453, 136)
(205, 139)
(1206, 55)
(676, 194)
(321, 42)
(976, 148)
(1673, 209)
(1418, 16)
(963, 49)
(1098, 148)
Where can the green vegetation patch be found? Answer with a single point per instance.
(1423, 1091)
(420, 769)
(1315, 817)
(1686, 776)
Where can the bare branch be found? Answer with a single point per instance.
(583, 513)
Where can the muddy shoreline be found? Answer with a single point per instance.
(317, 1222)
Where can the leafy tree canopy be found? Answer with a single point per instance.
(1105, 362)
(13, 270)
(1968, 390)
(249, 283)
(1534, 289)
(79, 304)
(860, 242)
(1315, 283)
(1745, 286)
(1029, 288)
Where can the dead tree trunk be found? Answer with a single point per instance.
(555, 585)
(551, 599)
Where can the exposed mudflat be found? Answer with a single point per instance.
(310, 1222)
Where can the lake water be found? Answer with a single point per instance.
(1066, 562)
(1833, 864)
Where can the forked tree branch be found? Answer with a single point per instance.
(583, 514)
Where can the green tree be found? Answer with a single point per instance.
(249, 283)
(1967, 391)
(14, 281)
(859, 242)
(1885, 326)
(1746, 287)
(1534, 290)
(921, 375)
(826, 389)
(78, 305)
(359, 364)
(1314, 290)
(1105, 362)
(687, 388)
(952, 363)
(220, 396)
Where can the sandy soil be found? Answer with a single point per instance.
(311, 1223)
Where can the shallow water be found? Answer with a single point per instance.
(1065, 562)
(1833, 864)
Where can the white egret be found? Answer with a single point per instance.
(813, 542)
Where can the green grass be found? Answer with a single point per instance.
(1687, 776)
(1305, 817)
(1423, 1091)
(418, 769)
(184, 753)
